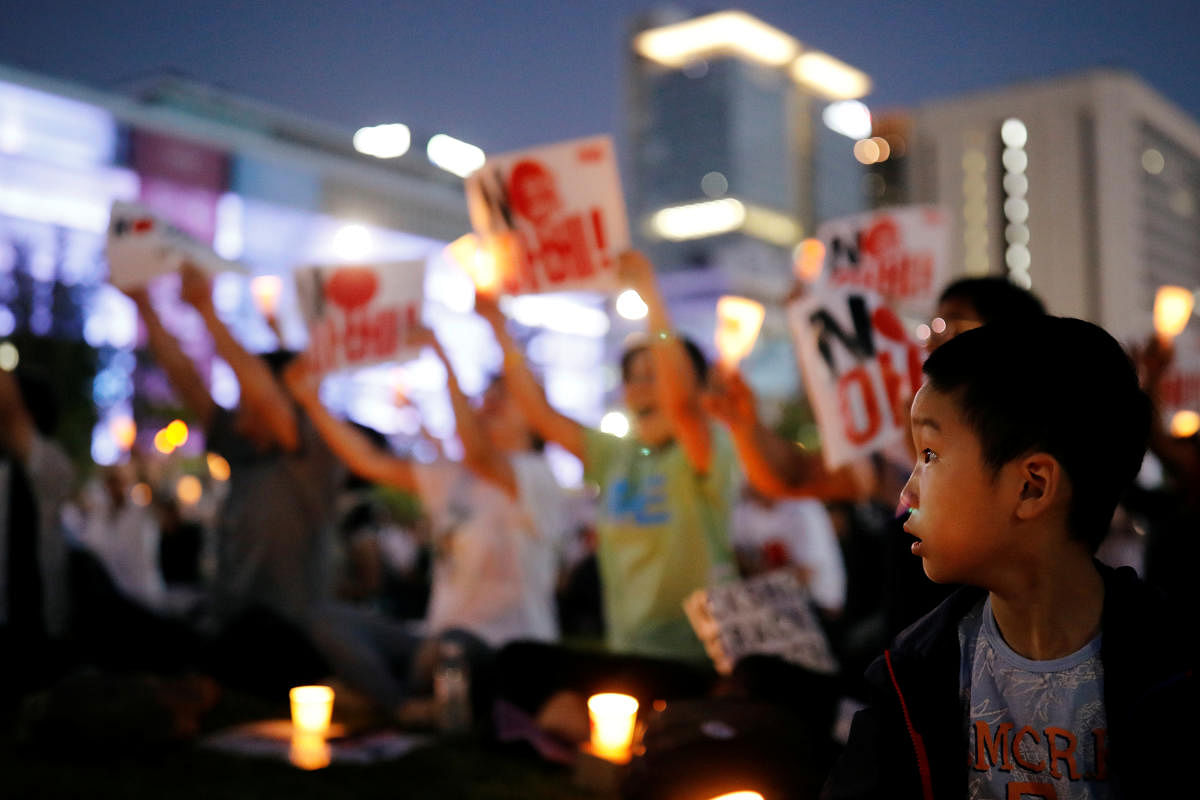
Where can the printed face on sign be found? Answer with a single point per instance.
(553, 218)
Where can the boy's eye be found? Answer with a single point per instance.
(927, 455)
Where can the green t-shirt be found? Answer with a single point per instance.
(663, 532)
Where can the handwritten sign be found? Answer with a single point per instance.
(858, 366)
(769, 614)
(360, 314)
(901, 253)
(554, 216)
(141, 246)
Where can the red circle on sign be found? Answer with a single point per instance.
(887, 323)
(351, 287)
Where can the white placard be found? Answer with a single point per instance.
(859, 367)
(558, 210)
(902, 253)
(360, 314)
(141, 246)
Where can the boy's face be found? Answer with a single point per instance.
(961, 512)
(650, 422)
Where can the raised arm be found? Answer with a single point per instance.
(542, 417)
(678, 389)
(775, 466)
(357, 451)
(478, 454)
(261, 394)
(181, 372)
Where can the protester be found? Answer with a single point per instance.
(498, 524)
(1047, 673)
(273, 538)
(35, 480)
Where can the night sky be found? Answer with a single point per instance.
(505, 75)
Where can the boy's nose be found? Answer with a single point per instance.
(908, 496)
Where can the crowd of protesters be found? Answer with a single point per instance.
(304, 571)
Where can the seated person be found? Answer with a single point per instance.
(1048, 674)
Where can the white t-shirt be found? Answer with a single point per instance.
(804, 531)
(495, 558)
(126, 540)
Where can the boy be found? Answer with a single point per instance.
(1048, 675)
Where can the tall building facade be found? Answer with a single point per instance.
(730, 164)
(1084, 188)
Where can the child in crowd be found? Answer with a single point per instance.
(1048, 675)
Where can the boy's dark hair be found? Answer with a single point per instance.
(994, 298)
(1054, 385)
(694, 353)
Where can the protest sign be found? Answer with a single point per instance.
(769, 614)
(360, 314)
(900, 253)
(859, 366)
(141, 246)
(553, 217)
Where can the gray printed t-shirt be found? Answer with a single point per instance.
(1034, 728)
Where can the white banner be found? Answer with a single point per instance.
(902, 253)
(559, 212)
(141, 246)
(360, 314)
(859, 366)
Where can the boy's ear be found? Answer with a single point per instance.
(1042, 483)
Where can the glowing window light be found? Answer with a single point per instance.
(826, 75)
(732, 32)
(866, 151)
(189, 490)
(771, 226)
(352, 242)
(1013, 132)
(697, 220)
(558, 314)
(714, 184)
(454, 155)
(218, 467)
(55, 129)
(230, 239)
(630, 305)
(1014, 160)
(923, 332)
(1153, 161)
(850, 118)
(9, 356)
(1185, 424)
(390, 140)
(615, 423)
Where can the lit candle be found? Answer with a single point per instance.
(809, 260)
(742, 795)
(738, 322)
(265, 289)
(479, 258)
(312, 708)
(1172, 310)
(309, 751)
(1185, 424)
(612, 717)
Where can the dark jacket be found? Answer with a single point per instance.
(911, 742)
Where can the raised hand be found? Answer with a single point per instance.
(195, 287)
(302, 379)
